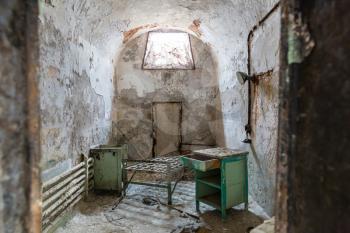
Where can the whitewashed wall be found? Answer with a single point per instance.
(80, 45)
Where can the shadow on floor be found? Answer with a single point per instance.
(238, 221)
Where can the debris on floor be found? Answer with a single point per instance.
(267, 227)
(143, 211)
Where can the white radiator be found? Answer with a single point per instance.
(61, 193)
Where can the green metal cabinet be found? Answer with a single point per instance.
(108, 167)
(221, 180)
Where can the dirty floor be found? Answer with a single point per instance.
(141, 212)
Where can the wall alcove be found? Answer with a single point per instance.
(137, 90)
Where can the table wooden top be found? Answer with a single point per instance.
(220, 152)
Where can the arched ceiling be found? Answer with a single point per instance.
(107, 24)
(80, 42)
(95, 32)
(111, 23)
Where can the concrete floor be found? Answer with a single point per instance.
(95, 215)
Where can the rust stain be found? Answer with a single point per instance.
(268, 89)
(264, 80)
(130, 33)
(195, 27)
(255, 109)
(262, 88)
(263, 75)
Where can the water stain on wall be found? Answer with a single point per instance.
(137, 90)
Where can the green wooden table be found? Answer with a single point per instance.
(221, 177)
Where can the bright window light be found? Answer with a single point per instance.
(168, 50)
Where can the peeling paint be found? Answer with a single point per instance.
(137, 89)
(195, 27)
(130, 33)
(76, 89)
(300, 41)
(84, 41)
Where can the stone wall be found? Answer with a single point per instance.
(81, 43)
(75, 88)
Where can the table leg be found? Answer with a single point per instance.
(223, 214)
(169, 193)
(246, 184)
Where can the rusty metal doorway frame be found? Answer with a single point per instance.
(33, 114)
(288, 110)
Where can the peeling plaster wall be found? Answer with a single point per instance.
(137, 89)
(75, 87)
(103, 28)
(264, 64)
(215, 23)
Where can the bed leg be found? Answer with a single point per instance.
(169, 194)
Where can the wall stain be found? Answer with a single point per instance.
(196, 89)
(130, 33)
(195, 27)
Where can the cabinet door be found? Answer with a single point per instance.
(107, 168)
(234, 182)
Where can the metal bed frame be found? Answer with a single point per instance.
(170, 166)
